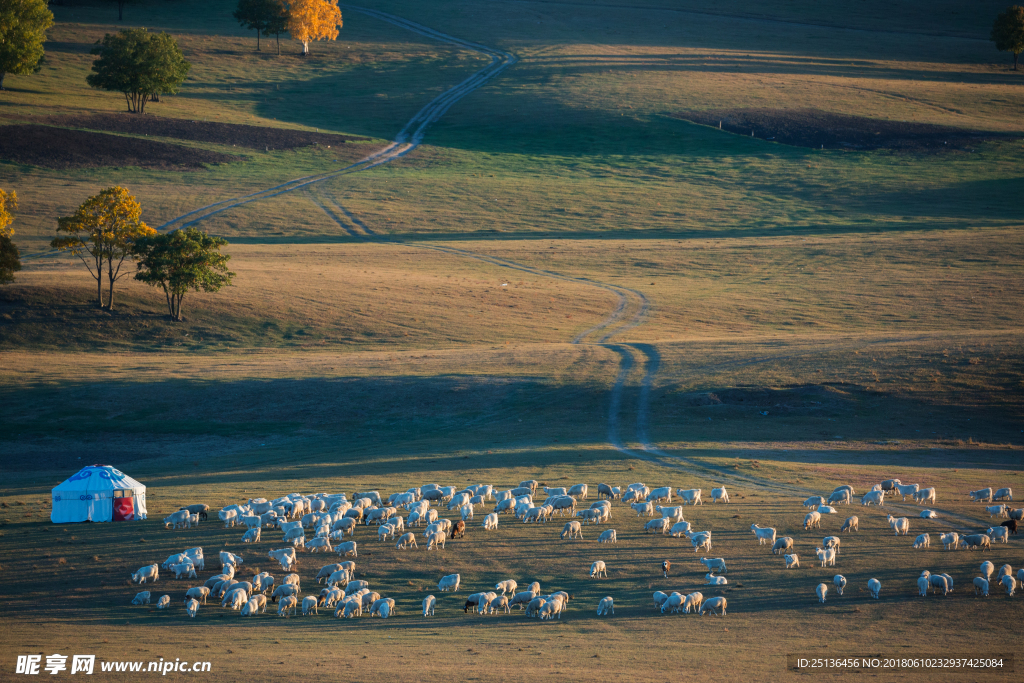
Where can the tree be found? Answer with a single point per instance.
(8, 203)
(257, 15)
(23, 25)
(139, 64)
(278, 22)
(182, 261)
(313, 20)
(10, 258)
(105, 228)
(1008, 32)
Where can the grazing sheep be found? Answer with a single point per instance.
(841, 496)
(506, 586)
(781, 545)
(607, 536)
(812, 520)
(147, 573)
(163, 602)
(572, 530)
(814, 501)
(712, 605)
(490, 522)
(141, 598)
(981, 495)
(192, 607)
(347, 549)
(656, 525)
(407, 540)
(322, 544)
(680, 528)
(284, 591)
(198, 593)
(674, 603)
(714, 564)
(1020, 576)
(890, 484)
(792, 561)
(606, 607)
(691, 496)
(436, 539)
(251, 536)
(499, 603)
(981, 586)
(763, 534)
(227, 558)
(1010, 584)
(840, 582)
(1005, 570)
(938, 581)
(673, 513)
(288, 604)
(922, 586)
(449, 583)
(606, 491)
(987, 568)
(950, 540)
(851, 524)
(700, 541)
(184, 568)
(1001, 510)
(922, 541)
(466, 512)
(458, 530)
(973, 541)
(901, 525)
(174, 519)
(873, 498)
(1003, 494)
(660, 598)
(522, 599)
(712, 580)
(663, 493)
(874, 587)
(229, 517)
(645, 509)
(578, 491)
(598, 569)
(719, 494)
(428, 605)
(309, 606)
(821, 591)
(258, 604)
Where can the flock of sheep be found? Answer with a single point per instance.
(332, 516)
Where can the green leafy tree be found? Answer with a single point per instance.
(1008, 32)
(257, 15)
(23, 25)
(140, 64)
(278, 22)
(182, 261)
(102, 233)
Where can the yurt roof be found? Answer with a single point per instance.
(98, 478)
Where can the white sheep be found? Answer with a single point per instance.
(827, 556)
(141, 598)
(851, 524)
(826, 510)
(998, 510)
(812, 520)
(719, 494)
(832, 542)
(821, 591)
(814, 501)
(1004, 493)
(407, 540)
(197, 593)
(347, 549)
(792, 561)
(713, 604)
(843, 496)
(928, 514)
(987, 568)
(251, 536)
(981, 586)
(901, 525)
(925, 496)
(184, 568)
(322, 544)
(598, 569)
(606, 607)
(428, 605)
(572, 530)
(449, 583)
(608, 536)
(1010, 584)
(873, 497)
(507, 586)
(763, 534)
(674, 513)
(174, 519)
(645, 509)
(147, 573)
(922, 586)
(950, 540)
(490, 522)
(192, 606)
(435, 540)
(229, 517)
(700, 541)
(227, 558)
(674, 603)
(163, 602)
(840, 582)
(712, 580)
(922, 541)
(693, 601)
(258, 604)
(716, 564)
(905, 490)
(466, 511)
(981, 495)
(999, 533)
(691, 496)
(781, 545)
(679, 528)
(287, 604)
(874, 587)
(656, 525)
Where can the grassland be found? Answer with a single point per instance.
(791, 319)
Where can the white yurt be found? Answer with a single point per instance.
(98, 493)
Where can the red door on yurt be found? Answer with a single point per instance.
(124, 506)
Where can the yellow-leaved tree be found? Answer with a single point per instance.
(8, 202)
(105, 228)
(313, 20)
